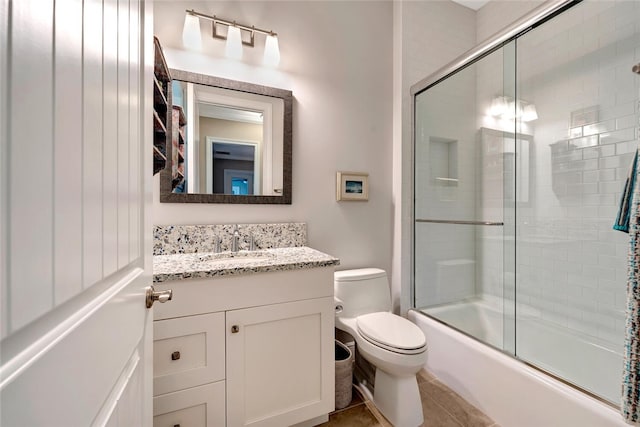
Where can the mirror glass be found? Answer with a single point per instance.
(231, 142)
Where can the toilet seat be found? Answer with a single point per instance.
(391, 332)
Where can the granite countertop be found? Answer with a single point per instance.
(209, 264)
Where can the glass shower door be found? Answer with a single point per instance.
(463, 159)
(575, 79)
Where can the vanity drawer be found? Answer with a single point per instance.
(202, 406)
(188, 351)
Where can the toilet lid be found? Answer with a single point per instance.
(390, 330)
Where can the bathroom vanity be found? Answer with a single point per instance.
(247, 339)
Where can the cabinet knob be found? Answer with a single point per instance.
(175, 355)
(235, 329)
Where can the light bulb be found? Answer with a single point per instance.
(519, 109)
(191, 37)
(498, 106)
(234, 43)
(513, 111)
(271, 51)
(510, 112)
(529, 113)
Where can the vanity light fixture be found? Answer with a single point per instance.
(236, 36)
(506, 108)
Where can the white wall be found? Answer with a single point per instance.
(336, 59)
(497, 14)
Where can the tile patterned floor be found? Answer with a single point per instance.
(442, 407)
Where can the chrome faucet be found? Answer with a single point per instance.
(217, 241)
(236, 239)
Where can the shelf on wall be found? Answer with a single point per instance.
(182, 119)
(160, 68)
(160, 102)
(158, 126)
(157, 154)
(161, 108)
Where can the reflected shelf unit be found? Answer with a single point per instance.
(161, 108)
(179, 121)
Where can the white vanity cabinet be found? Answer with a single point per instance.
(249, 350)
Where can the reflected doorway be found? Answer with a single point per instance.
(233, 167)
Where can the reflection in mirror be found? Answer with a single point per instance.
(235, 146)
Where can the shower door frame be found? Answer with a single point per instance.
(536, 17)
(511, 33)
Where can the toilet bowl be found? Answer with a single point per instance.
(394, 345)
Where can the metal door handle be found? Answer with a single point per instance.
(160, 296)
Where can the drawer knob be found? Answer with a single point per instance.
(235, 329)
(175, 355)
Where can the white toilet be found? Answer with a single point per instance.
(394, 345)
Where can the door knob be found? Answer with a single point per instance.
(160, 296)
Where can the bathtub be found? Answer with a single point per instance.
(510, 392)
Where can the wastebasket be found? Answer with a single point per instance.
(344, 372)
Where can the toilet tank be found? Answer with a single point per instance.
(362, 291)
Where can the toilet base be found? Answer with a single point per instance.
(398, 399)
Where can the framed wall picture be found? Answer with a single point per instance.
(352, 186)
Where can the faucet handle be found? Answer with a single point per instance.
(235, 228)
(252, 242)
(216, 245)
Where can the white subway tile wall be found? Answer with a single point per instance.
(571, 266)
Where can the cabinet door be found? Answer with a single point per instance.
(280, 368)
(187, 351)
(201, 406)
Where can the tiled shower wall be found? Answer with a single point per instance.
(576, 69)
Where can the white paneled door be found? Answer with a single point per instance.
(75, 235)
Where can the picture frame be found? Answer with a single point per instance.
(352, 186)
